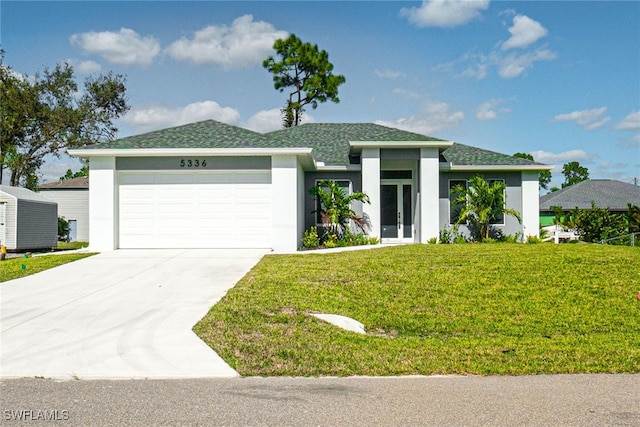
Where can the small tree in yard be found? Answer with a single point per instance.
(335, 205)
(481, 204)
(63, 229)
(596, 224)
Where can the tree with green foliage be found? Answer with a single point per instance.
(633, 218)
(306, 71)
(544, 177)
(49, 113)
(481, 203)
(597, 224)
(336, 210)
(63, 229)
(84, 171)
(574, 173)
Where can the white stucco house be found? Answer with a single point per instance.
(72, 197)
(213, 185)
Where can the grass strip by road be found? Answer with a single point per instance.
(435, 309)
(16, 268)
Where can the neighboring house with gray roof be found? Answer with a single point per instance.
(72, 196)
(213, 185)
(604, 193)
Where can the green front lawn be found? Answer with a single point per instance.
(68, 246)
(20, 267)
(505, 309)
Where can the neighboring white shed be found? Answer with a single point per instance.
(27, 220)
(72, 196)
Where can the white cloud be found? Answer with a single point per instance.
(269, 120)
(242, 44)
(149, 118)
(511, 65)
(444, 13)
(631, 122)
(125, 47)
(85, 67)
(514, 65)
(477, 71)
(407, 94)
(265, 121)
(388, 74)
(566, 156)
(488, 111)
(434, 117)
(525, 31)
(589, 119)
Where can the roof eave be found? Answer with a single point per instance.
(169, 152)
(304, 155)
(448, 167)
(321, 167)
(400, 144)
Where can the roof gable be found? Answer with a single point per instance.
(605, 193)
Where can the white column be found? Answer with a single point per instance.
(103, 204)
(530, 205)
(370, 160)
(429, 194)
(284, 201)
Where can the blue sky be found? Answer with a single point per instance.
(559, 80)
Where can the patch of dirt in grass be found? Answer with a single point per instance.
(382, 333)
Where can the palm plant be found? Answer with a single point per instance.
(335, 203)
(481, 204)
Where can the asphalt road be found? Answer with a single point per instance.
(557, 400)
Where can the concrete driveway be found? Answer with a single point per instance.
(121, 314)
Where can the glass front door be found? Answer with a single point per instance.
(396, 211)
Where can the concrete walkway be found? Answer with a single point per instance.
(121, 314)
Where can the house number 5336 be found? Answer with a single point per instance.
(193, 163)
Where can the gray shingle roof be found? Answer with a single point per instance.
(605, 193)
(329, 141)
(460, 154)
(67, 184)
(206, 134)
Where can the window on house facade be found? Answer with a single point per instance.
(455, 208)
(344, 184)
(499, 219)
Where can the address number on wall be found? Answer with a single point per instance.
(197, 163)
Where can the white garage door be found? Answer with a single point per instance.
(207, 209)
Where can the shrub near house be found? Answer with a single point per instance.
(337, 216)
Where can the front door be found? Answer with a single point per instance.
(396, 211)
